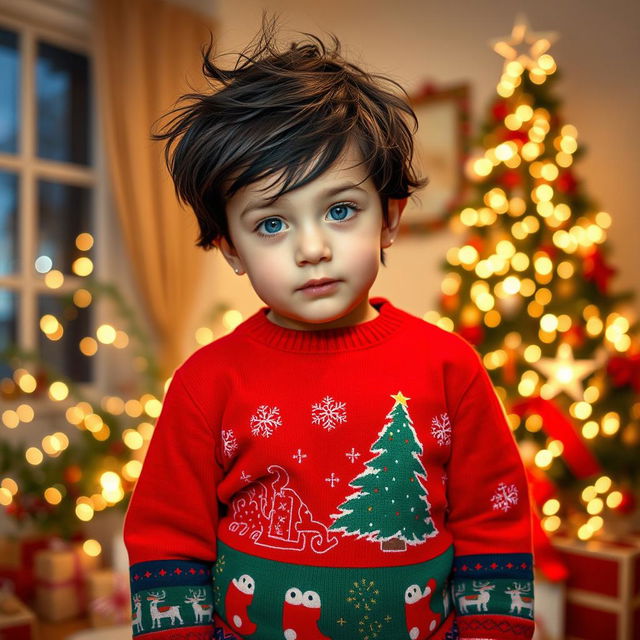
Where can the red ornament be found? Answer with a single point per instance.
(450, 303)
(472, 333)
(575, 336)
(566, 182)
(510, 179)
(518, 135)
(625, 371)
(500, 109)
(476, 242)
(596, 270)
(550, 250)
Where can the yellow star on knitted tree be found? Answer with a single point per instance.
(524, 45)
(564, 373)
(399, 398)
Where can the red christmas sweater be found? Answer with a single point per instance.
(357, 482)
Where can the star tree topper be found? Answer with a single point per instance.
(524, 45)
(400, 399)
(564, 373)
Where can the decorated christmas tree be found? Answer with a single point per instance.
(530, 288)
(390, 482)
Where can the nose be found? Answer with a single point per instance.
(312, 245)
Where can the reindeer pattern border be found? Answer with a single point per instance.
(171, 608)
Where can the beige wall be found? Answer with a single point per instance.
(419, 40)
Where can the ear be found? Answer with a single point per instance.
(395, 207)
(230, 254)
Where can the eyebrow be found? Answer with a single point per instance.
(261, 204)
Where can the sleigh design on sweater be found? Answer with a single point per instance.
(273, 515)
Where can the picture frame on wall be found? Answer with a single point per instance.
(441, 148)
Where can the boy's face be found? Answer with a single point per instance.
(324, 229)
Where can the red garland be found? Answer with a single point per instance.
(576, 454)
(625, 371)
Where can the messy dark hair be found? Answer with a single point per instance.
(288, 112)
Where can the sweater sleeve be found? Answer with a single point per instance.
(170, 525)
(489, 516)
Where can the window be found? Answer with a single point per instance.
(47, 192)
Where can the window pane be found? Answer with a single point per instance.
(8, 324)
(62, 86)
(9, 70)
(64, 354)
(63, 214)
(8, 223)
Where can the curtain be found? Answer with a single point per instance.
(147, 55)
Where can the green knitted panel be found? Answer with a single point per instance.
(262, 599)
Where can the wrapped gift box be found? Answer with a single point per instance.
(109, 598)
(61, 581)
(16, 563)
(603, 589)
(17, 622)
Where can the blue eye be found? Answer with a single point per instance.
(342, 208)
(270, 227)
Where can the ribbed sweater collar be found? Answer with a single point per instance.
(359, 336)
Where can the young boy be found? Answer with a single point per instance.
(334, 468)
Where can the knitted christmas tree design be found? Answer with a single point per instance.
(390, 504)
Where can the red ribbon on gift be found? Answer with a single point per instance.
(78, 579)
(576, 454)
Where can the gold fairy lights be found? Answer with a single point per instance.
(83, 416)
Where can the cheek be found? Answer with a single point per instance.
(265, 269)
(364, 254)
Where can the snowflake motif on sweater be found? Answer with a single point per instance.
(265, 421)
(505, 497)
(328, 413)
(229, 443)
(441, 429)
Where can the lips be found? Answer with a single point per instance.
(317, 283)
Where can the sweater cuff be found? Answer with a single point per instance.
(492, 627)
(493, 595)
(172, 600)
